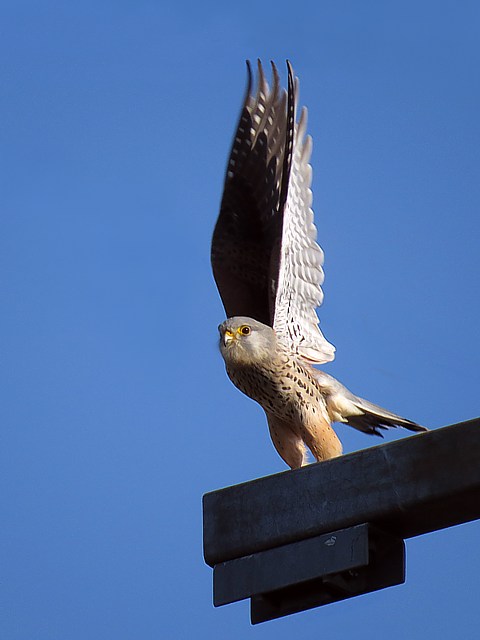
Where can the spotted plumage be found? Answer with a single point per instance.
(269, 271)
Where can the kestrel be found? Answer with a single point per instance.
(268, 269)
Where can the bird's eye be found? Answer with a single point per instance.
(244, 330)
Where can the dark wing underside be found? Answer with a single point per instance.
(247, 237)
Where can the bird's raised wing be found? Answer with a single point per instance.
(300, 276)
(265, 260)
(248, 224)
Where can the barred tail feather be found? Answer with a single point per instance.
(374, 418)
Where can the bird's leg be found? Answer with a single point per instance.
(288, 444)
(322, 440)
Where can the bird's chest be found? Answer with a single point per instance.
(286, 391)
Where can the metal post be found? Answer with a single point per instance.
(335, 529)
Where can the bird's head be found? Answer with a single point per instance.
(246, 341)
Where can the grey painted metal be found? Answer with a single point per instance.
(345, 557)
(290, 564)
(412, 486)
(385, 567)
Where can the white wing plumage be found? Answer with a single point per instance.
(300, 276)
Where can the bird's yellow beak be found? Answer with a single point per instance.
(228, 336)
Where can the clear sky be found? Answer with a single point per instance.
(116, 413)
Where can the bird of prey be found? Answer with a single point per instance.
(268, 269)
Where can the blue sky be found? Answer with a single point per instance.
(116, 413)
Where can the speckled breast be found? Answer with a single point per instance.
(285, 390)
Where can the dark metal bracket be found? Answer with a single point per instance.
(313, 572)
(336, 529)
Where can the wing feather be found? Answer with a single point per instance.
(249, 223)
(300, 277)
(265, 258)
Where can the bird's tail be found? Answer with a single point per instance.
(371, 418)
(344, 406)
